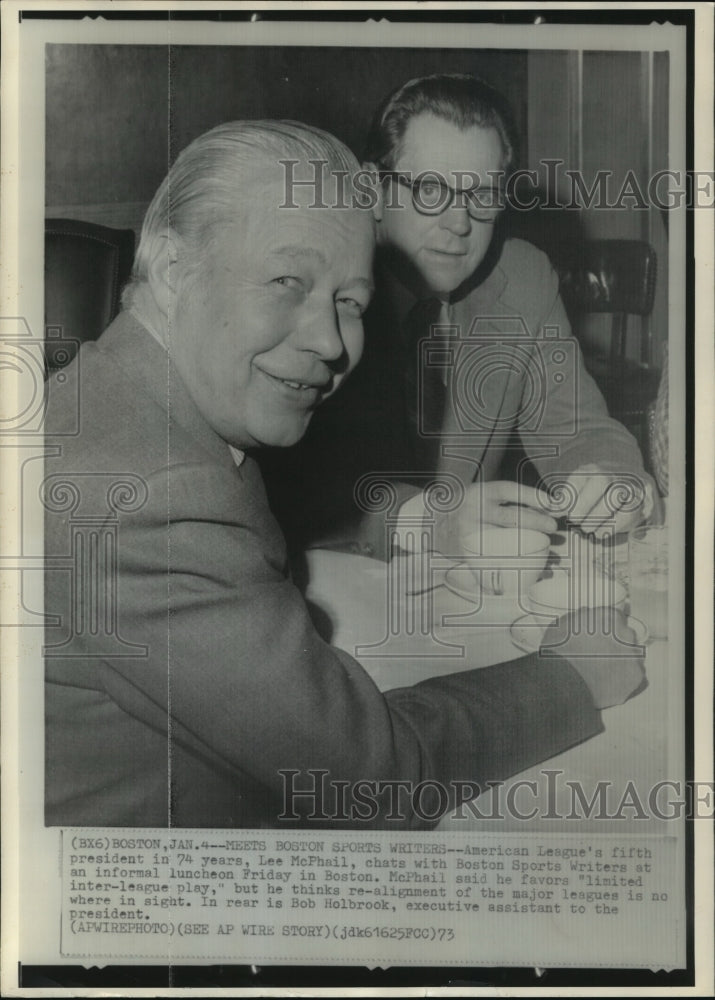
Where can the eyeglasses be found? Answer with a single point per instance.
(431, 196)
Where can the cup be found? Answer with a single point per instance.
(648, 570)
(505, 560)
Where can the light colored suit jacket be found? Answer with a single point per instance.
(183, 671)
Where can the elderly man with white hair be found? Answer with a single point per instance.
(183, 674)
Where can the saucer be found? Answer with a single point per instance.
(527, 632)
(460, 580)
(454, 580)
(557, 594)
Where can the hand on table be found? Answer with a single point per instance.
(605, 504)
(602, 648)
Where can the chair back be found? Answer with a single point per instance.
(86, 267)
(616, 277)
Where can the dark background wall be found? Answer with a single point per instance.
(109, 106)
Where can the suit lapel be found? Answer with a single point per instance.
(476, 389)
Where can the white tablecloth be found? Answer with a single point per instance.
(401, 639)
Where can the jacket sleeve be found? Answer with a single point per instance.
(238, 673)
(573, 427)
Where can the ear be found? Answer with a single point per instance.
(162, 265)
(379, 205)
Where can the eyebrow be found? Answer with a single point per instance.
(296, 250)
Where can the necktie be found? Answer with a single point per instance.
(425, 382)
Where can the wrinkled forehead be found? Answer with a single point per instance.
(290, 183)
(295, 214)
(305, 195)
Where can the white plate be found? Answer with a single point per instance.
(527, 632)
(460, 580)
(454, 580)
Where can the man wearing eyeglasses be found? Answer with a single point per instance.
(467, 344)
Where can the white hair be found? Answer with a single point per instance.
(203, 186)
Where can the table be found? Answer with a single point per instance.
(401, 638)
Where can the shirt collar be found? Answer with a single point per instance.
(237, 455)
(149, 327)
(484, 291)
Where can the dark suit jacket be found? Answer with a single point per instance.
(183, 670)
(514, 376)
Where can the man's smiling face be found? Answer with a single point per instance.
(271, 323)
(435, 254)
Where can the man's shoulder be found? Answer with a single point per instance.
(102, 417)
(97, 414)
(520, 259)
(122, 448)
(523, 282)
